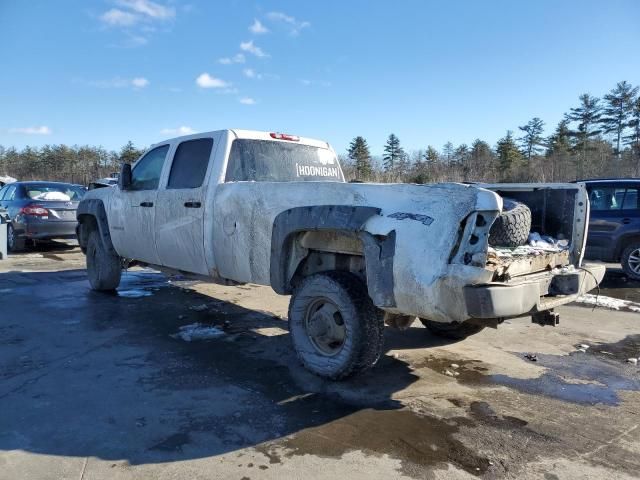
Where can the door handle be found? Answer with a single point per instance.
(192, 204)
(146, 204)
(626, 221)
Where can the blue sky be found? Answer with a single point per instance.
(106, 71)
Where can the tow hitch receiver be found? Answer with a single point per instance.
(548, 317)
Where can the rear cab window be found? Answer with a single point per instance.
(272, 161)
(190, 164)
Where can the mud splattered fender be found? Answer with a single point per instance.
(307, 219)
(94, 207)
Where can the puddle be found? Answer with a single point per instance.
(584, 378)
(134, 293)
(416, 440)
(198, 331)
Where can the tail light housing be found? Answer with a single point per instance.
(285, 136)
(34, 211)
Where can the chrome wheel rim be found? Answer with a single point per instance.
(325, 327)
(634, 261)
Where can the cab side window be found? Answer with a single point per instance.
(146, 173)
(605, 199)
(190, 163)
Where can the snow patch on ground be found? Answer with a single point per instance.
(197, 331)
(608, 302)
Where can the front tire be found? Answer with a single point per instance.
(454, 331)
(14, 242)
(336, 329)
(631, 261)
(103, 268)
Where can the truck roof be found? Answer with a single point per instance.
(250, 134)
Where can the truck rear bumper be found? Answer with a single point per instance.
(531, 293)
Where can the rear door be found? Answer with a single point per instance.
(614, 214)
(133, 211)
(181, 207)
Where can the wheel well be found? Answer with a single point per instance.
(624, 243)
(86, 224)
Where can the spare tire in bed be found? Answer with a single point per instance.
(511, 228)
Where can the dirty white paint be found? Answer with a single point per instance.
(230, 236)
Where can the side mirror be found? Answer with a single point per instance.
(124, 182)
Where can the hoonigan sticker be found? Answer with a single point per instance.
(316, 171)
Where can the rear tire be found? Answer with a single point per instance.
(15, 243)
(631, 261)
(455, 331)
(103, 268)
(336, 329)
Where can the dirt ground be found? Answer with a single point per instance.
(96, 386)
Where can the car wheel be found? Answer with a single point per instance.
(455, 331)
(631, 261)
(336, 329)
(14, 242)
(103, 268)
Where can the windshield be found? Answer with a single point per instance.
(64, 192)
(268, 161)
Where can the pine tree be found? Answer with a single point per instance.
(532, 141)
(617, 111)
(431, 157)
(361, 157)
(633, 139)
(559, 147)
(481, 158)
(447, 151)
(393, 153)
(129, 153)
(509, 156)
(587, 115)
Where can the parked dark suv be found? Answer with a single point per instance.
(614, 226)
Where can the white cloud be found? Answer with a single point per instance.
(139, 82)
(251, 73)
(120, 18)
(258, 28)
(119, 82)
(147, 8)
(309, 83)
(239, 58)
(247, 101)
(253, 49)
(42, 130)
(182, 130)
(137, 19)
(205, 80)
(295, 26)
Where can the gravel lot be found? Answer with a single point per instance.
(124, 386)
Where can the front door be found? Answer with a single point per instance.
(181, 207)
(134, 209)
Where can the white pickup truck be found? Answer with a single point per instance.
(236, 206)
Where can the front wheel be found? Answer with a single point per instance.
(336, 329)
(631, 261)
(103, 268)
(455, 331)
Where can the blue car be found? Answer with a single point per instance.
(614, 225)
(39, 211)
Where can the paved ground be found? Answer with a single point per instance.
(100, 386)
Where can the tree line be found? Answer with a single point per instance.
(75, 164)
(599, 137)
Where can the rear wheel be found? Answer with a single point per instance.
(336, 329)
(103, 268)
(14, 242)
(456, 330)
(631, 261)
